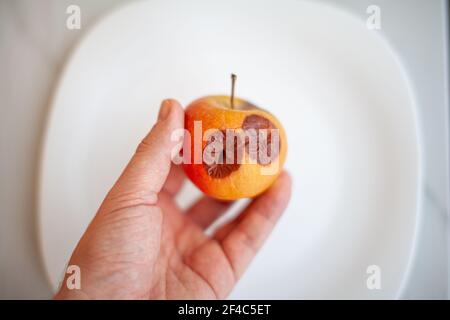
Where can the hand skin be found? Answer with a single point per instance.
(140, 245)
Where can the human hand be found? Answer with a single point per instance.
(140, 245)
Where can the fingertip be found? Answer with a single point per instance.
(170, 108)
(284, 181)
(281, 186)
(275, 200)
(164, 110)
(172, 102)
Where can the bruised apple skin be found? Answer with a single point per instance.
(237, 180)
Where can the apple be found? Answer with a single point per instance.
(233, 148)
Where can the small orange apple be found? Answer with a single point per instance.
(233, 174)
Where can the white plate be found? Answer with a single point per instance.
(334, 84)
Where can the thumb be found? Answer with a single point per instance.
(145, 174)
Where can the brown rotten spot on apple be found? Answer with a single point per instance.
(226, 161)
(252, 125)
(229, 155)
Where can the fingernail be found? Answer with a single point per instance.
(164, 110)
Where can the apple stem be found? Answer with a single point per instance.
(233, 81)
